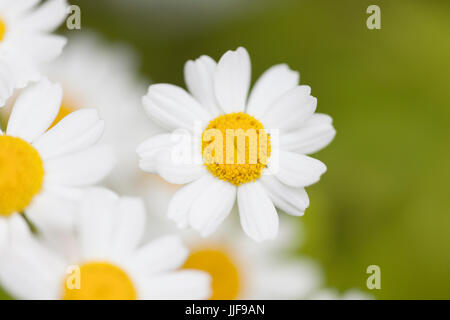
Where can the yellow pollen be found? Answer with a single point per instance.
(21, 174)
(225, 275)
(236, 148)
(99, 281)
(64, 111)
(2, 29)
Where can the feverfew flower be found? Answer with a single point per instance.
(43, 171)
(26, 40)
(279, 114)
(241, 269)
(104, 259)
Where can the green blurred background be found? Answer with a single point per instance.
(385, 198)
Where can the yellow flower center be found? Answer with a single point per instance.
(225, 275)
(236, 148)
(21, 174)
(64, 111)
(99, 281)
(2, 29)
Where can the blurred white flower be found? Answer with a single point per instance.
(43, 171)
(26, 40)
(103, 259)
(241, 269)
(98, 75)
(218, 101)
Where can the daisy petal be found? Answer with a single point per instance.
(180, 204)
(212, 206)
(18, 7)
(313, 135)
(293, 201)
(199, 78)
(178, 173)
(129, 226)
(34, 110)
(297, 170)
(47, 17)
(77, 131)
(273, 83)
(180, 285)
(43, 47)
(96, 225)
(232, 80)
(150, 149)
(290, 110)
(173, 108)
(161, 255)
(259, 218)
(80, 169)
(6, 82)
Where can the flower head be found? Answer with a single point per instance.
(252, 150)
(104, 258)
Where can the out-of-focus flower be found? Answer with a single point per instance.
(97, 75)
(103, 259)
(43, 171)
(333, 294)
(26, 40)
(218, 103)
(244, 270)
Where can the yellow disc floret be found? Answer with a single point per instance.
(21, 174)
(99, 281)
(2, 29)
(236, 148)
(225, 275)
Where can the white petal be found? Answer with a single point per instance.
(291, 110)
(297, 170)
(53, 210)
(30, 271)
(6, 82)
(96, 222)
(129, 226)
(199, 78)
(232, 80)
(48, 16)
(173, 108)
(83, 168)
(35, 110)
(180, 285)
(178, 173)
(273, 83)
(18, 7)
(79, 130)
(42, 47)
(212, 206)
(181, 202)
(150, 149)
(23, 67)
(293, 201)
(164, 254)
(259, 219)
(313, 135)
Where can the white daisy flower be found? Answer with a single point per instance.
(217, 103)
(244, 270)
(103, 260)
(26, 40)
(84, 70)
(43, 171)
